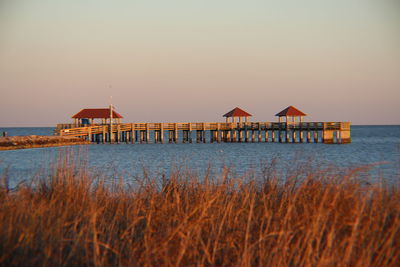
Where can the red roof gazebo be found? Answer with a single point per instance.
(237, 112)
(97, 113)
(291, 113)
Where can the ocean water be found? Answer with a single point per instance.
(374, 148)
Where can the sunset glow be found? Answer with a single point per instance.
(195, 60)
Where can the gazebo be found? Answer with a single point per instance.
(290, 114)
(88, 115)
(237, 112)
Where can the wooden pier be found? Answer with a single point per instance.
(275, 132)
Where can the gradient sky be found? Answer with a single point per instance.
(170, 60)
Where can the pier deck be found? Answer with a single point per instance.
(282, 132)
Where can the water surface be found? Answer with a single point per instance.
(377, 145)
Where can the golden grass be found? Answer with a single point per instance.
(72, 218)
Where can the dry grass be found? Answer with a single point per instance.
(72, 218)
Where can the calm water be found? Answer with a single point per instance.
(370, 145)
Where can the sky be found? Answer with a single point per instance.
(193, 61)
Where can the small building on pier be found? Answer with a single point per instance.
(291, 114)
(237, 112)
(89, 115)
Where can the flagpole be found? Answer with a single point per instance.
(111, 122)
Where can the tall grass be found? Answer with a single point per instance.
(72, 218)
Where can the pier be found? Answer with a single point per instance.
(290, 130)
(281, 132)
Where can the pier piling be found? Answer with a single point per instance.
(313, 132)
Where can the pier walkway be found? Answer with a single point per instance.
(282, 132)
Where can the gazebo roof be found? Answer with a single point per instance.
(290, 111)
(96, 113)
(237, 112)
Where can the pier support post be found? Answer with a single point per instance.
(147, 133)
(345, 137)
(228, 136)
(190, 132)
(90, 138)
(111, 134)
(162, 133)
(176, 134)
(156, 136)
(104, 134)
(132, 133)
(204, 133)
(315, 136)
(118, 137)
(218, 133)
(246, 132)
(327, 137)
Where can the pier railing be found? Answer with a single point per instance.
(327, 132)
(212, 126)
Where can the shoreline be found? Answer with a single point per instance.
(38, 141)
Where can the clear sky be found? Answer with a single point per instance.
(186, 60)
